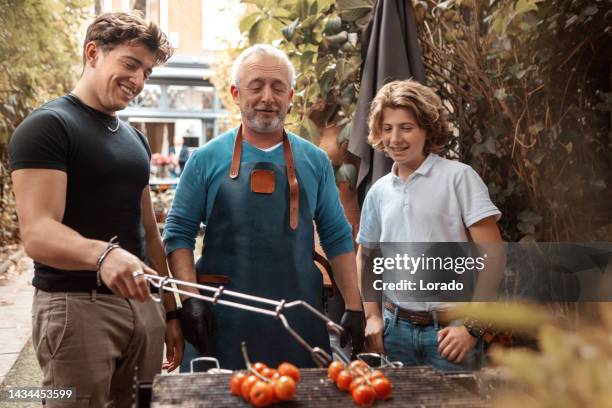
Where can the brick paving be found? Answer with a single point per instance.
(15, 313)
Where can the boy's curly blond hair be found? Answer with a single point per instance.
(419, 99)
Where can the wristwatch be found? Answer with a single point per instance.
(476, 328)
(172, 314)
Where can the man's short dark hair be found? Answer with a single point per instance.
(110, 30)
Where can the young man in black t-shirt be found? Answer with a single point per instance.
(80, 177)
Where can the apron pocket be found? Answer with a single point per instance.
(262, 181)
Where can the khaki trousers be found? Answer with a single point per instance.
(97, 343)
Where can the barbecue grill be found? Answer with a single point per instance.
(412, 387)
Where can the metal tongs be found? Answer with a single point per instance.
(275, 309)
(371, 359)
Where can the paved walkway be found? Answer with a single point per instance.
(15, 314)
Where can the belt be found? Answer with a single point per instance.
(421, 318)
(100, 290)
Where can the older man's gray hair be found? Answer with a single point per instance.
(263, 49)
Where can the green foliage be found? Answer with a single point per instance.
(572, 365)
(569, 366)
(528, 89)
(8, 216)
(39, 55)
(39, 59)
(321, 38)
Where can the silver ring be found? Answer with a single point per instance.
(137, 273)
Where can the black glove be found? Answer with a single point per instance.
(197, 323)
(353, 323)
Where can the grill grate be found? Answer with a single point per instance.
(412, 387)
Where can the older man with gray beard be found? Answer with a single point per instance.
(258, 188)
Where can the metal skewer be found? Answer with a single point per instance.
(318, 355)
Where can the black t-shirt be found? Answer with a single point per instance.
(106, 171)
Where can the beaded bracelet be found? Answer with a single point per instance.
(109, 247)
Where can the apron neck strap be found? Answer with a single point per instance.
(294, 190)
(235, 167)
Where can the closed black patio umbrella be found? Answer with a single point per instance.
(390, 52)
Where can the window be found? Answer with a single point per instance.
(148, 98)
(196, 98)
(191, 141)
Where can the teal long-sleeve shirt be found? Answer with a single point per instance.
(208, 167)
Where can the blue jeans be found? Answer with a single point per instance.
(418, 345)
(188, 354)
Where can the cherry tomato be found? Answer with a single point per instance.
(375, 374)
(358, 367)
(382, 388)
(268, 372)
(246, 386)
(290, 370)
(364, 395)
(334, 369)
(261, 394)
(357, 364)
(343, 380)
(284, 388)
(259, 367)
(357, 381)
(236, 382)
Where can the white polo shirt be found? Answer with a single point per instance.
(437, 203)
